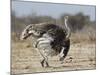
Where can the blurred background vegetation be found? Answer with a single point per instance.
(79, 23)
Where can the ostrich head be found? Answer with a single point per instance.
(68, 31)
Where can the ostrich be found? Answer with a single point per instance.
(51, 40)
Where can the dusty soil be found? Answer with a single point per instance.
(26, 59)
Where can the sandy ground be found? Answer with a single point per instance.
(26, 59)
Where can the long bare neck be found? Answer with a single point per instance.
(67, 27)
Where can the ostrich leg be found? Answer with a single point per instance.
(44, 62)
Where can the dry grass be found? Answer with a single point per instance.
(26, 59)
